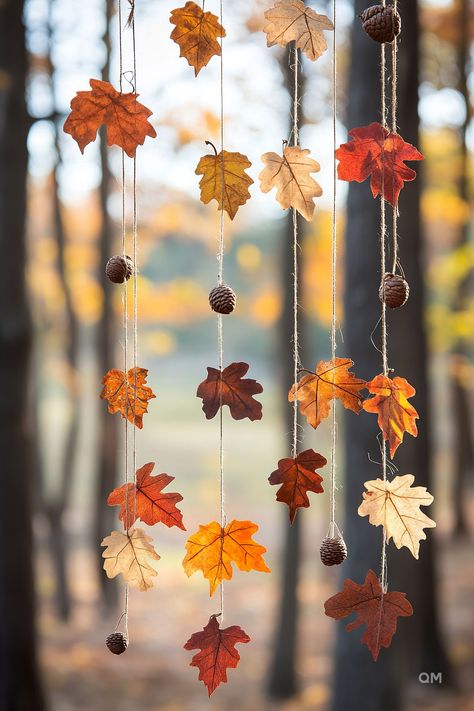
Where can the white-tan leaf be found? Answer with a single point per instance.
(130, 553)
(292, 20)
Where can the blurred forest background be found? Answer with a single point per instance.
(61, 452)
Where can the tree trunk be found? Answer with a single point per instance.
(359, 683)
(20, 688)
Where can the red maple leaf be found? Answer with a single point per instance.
(376, 610)
(217, 653)
(230, 388)
(378, 153)
(145, 500)
(297, 476)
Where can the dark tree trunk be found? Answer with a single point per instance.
(20, 688)
(359, 683)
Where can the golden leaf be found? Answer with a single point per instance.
(130, 553)
(196, 33)
(236, 180)
(292, 20)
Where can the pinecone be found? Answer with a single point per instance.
(381, 23)
(117, 642)
(333, 551)
(222, 299)
(394, 291)
(119, 268)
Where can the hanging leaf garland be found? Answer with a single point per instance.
(228, 168)
(119, 391)
(196, 32)
(292, 20)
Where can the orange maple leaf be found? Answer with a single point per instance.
(196, 33)
(236, 392)
(380, 154)
(144, 499)
(218, 652)
(374, 609)
(213, 549)
(395, 414)
(125, 118)
(119, 390)
(297, 476)
(315, 391)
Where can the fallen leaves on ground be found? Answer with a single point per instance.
(396, 506)
(377, 611)
(290, 174)
(292, 20)
(315, 391)
(228, 168)
(119, 391)
(196, 32)
(213, 549)
(218, 652)
(130, 553)
(236, 391)
(376, 152)
(297, 476)
(395, 414)
(144, 499)
(125, 118)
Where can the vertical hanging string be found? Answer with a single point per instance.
(135, 262)
(296, 353)
(332, 493)
(394, 130)
(220, 281)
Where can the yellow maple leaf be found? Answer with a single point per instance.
(228, 168)
(396, 506)
(290, 174)
(130, 553)
(292, 20)
(196, 33)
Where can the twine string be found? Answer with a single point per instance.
(394, 108)
(332, 492)
(296, 346)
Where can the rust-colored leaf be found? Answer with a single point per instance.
(125, 118)
(395, 414)
(290, 174)
(236, 392)
(218, 652)
(292, 20)
(196, 32)
(144, 499)
(119, 390)
(228, 168)
(213, 549)
(297, 476)
(376, 152)
(130, 553)
(377, 611)
(315, 391)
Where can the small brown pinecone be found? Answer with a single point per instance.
(222, 299)
(119, 268)
(117, 642)
(333, 551)
(394, 291)
(381, 23)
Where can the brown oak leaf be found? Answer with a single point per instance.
(218, 652)
(297, 476)
(236, 392)
(196, 33)
(232, 173)
(315, 391)
(374, 609)
(292, 20)
(144, 499)
(130, 553)
(125, 118)
(119, 390)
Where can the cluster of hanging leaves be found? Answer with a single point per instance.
(127, 393)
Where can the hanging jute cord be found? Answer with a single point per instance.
(296, 348)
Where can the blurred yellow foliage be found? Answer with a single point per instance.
(266, 306)
(440, 205)
(449, 270)
(159, 342)
(317, 281)
(177, 303)
(447, 327)
(249, 257)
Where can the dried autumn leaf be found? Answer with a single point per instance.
(236, 180)
(125, 118)
(290, 174)
(378, 153)
(396, 506)
(292, 20)
(130, 553)
(395, 414)
(236, 391)
(297, 476)
(315, 391)
(196, 33)
(144, 499)
(213, 549)
(218, 652)
(119, 390)
(377, 611)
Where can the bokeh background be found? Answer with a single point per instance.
(62, 453)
